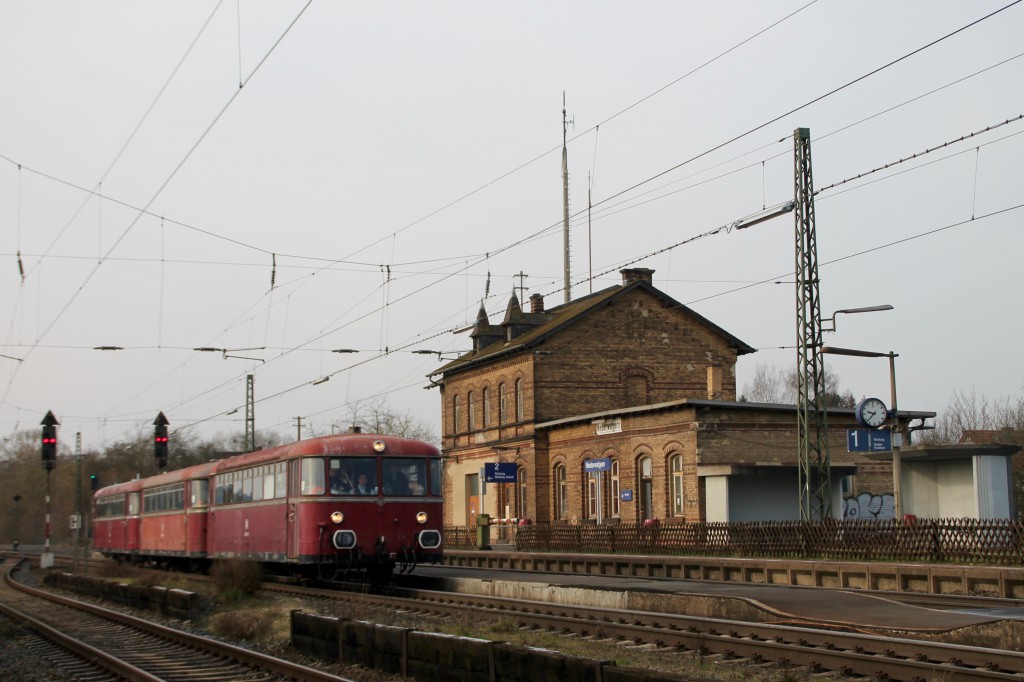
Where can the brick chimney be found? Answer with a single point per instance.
(536, 303)
(630, 275)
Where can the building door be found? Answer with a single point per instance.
(473, 500)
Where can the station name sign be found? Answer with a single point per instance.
(604, 426)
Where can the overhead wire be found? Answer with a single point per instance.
(60, 313)
(817, 99)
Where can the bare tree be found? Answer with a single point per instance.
(376, 416)
(773, 385)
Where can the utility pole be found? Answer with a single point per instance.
(298, 426)
(814, 474)
(250, 415)
(521, 286)
(78, 498)
(565, 203)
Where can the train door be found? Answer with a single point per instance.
(293, 509)
(132, 523)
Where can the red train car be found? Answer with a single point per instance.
(343, 502)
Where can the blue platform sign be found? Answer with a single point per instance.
(626, 495)
(500, 472)
(593, 466)
(867, 440)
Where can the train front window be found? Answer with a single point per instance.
(313, 476)
(353, 475)
(404, 476)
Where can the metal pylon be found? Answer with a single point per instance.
(250, 415)
(812, 424)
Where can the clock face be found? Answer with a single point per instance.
(871, 412)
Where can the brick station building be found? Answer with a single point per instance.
(630, 375)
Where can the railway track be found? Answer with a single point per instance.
(88, 642)
(818, 650)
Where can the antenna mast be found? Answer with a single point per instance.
(565, 202)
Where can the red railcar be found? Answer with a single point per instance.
(350, 501)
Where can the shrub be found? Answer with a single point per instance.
(247, 625)
(235, 579)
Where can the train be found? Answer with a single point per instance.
(323, 508)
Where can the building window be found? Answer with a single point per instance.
(487, 407)
(646, 470)
(502, 404)
(519, 400)
(521, 479)
(471, 410)
(615, 488)
(456, 413)
(593, 495)
(676, 463)
(561, 492)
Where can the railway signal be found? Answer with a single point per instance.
(160, 440)
(49, 424)
(94, 482)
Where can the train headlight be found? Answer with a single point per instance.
(378, 446)
(421, 517)
(337, 517)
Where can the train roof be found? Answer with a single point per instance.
(348, 444)
(166, 478)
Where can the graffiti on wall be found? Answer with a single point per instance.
(869, 506)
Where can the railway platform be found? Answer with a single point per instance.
(791, 602)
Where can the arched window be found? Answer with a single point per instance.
(456, 413)
(519, 400)
(615, 487)
(646, 469)
(593, 493)
(502, 404)
(676, 465)
(471, 410)
(486, 407)
(561, 492)
(521, 497)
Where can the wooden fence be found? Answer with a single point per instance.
(964, 541)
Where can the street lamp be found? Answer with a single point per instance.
(848, 311)
(894, 427)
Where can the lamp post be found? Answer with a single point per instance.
(894, 426)
(850, 311)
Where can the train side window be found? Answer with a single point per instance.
(268, 484)
(257, 484)
(133, 503)
(435, 478)
(281, 481)
(312, 476)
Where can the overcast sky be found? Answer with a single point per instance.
(400, 162)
